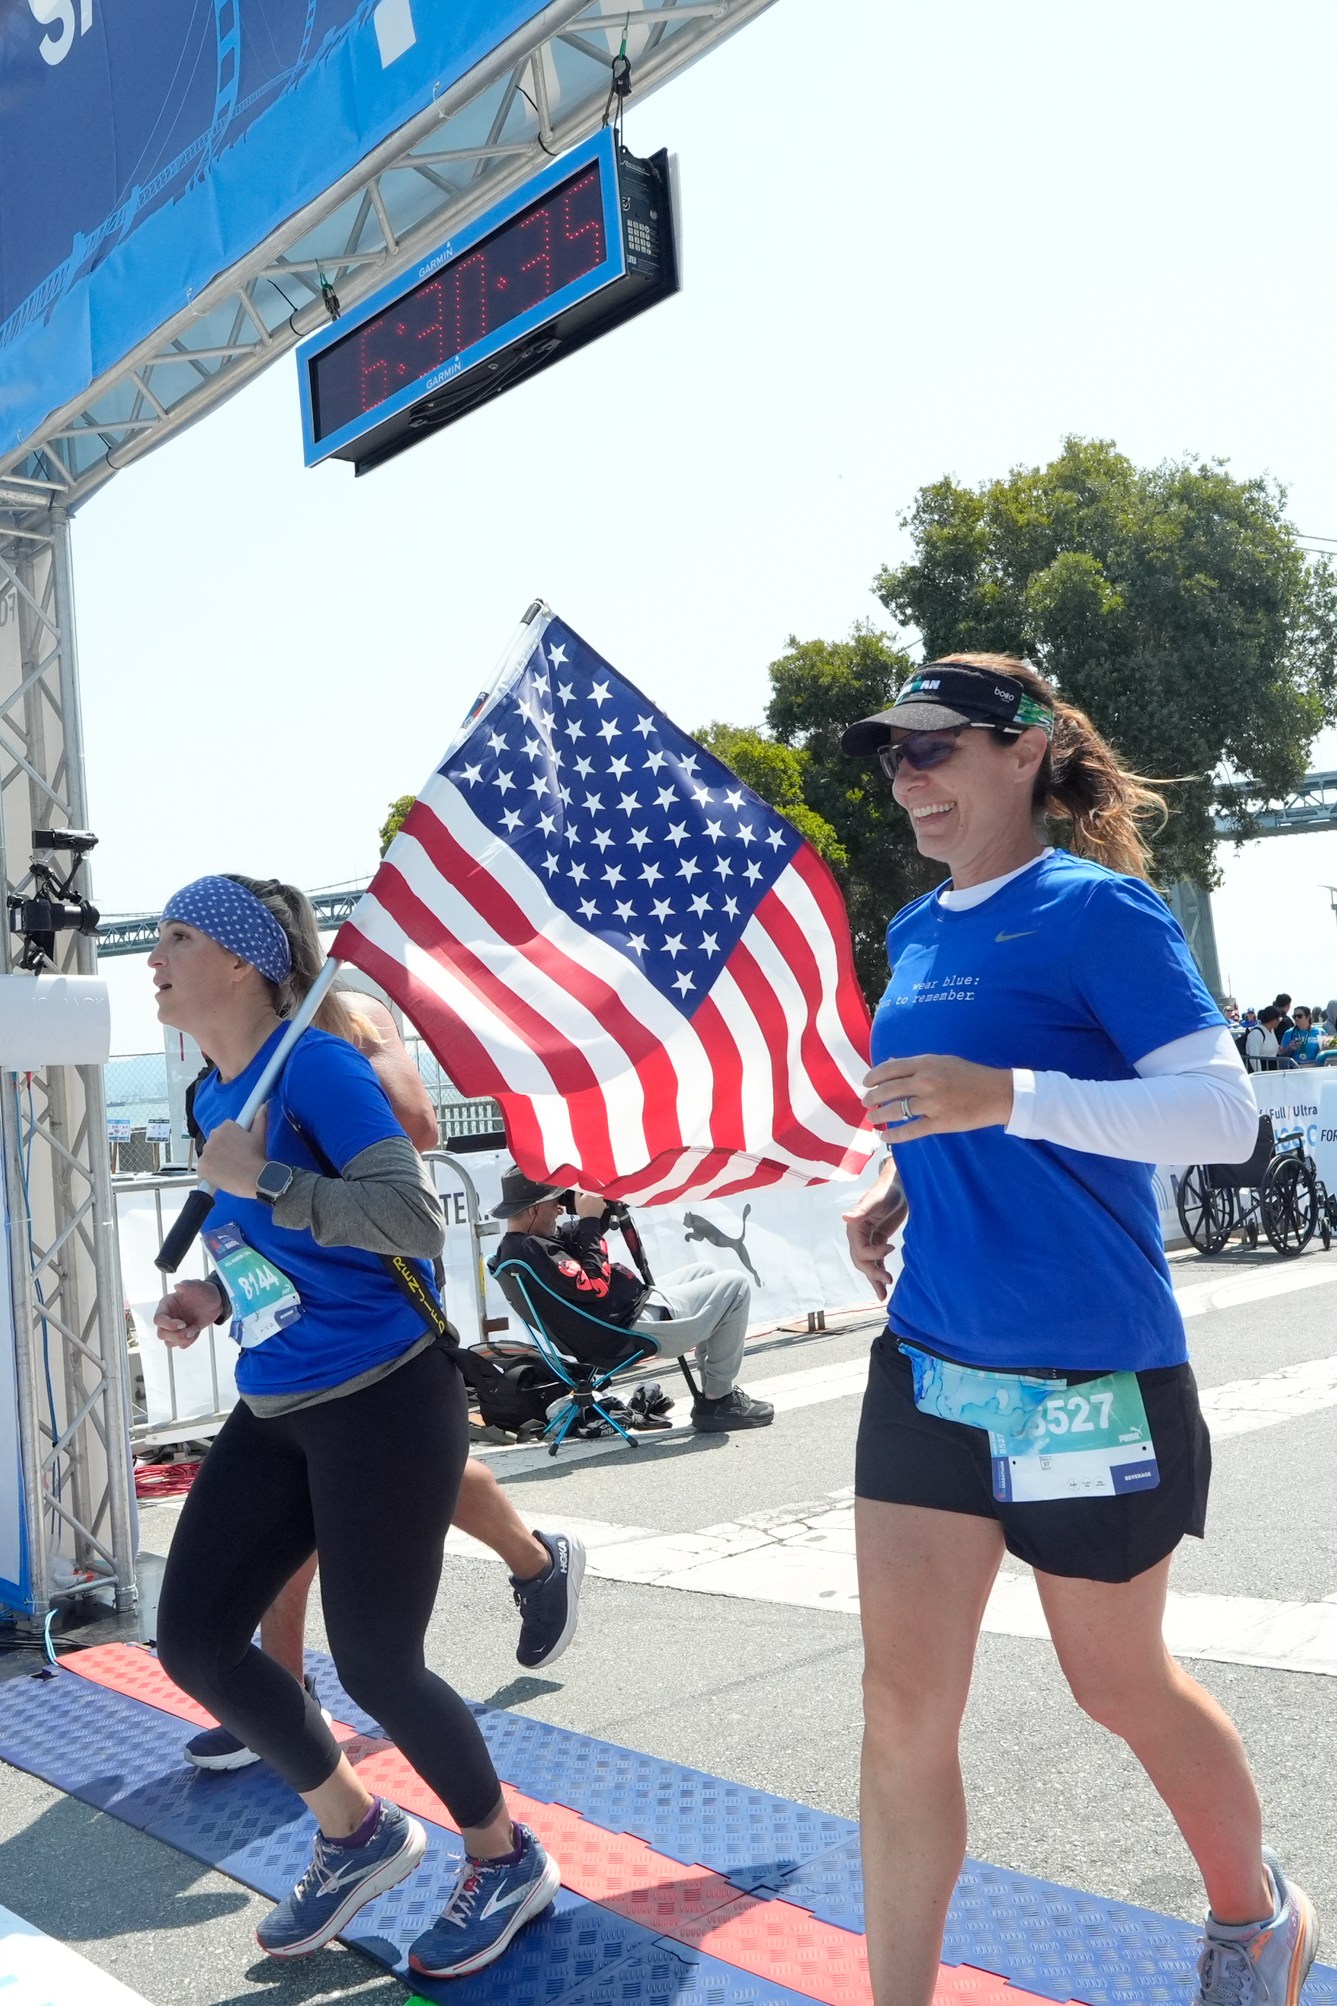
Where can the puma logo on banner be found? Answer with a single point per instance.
(698, 1228)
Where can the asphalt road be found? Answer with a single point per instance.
(767, 1693)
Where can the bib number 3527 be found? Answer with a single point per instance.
(1085, 1441)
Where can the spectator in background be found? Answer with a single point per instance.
(1282, 1003)
(1299, 1046)
(1260, 1047)
(1230, 1010)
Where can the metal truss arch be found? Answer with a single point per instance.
(73, 1367)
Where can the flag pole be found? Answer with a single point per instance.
(195, 1211)
(200, 1202)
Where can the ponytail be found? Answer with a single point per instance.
(1099, 807)
(294, 912)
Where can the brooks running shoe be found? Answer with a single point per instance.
(494, 1899)
(340, 1880)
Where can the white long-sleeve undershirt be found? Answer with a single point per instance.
(1191, 1101)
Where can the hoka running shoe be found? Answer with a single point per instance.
(550, 1605)
(1260, 1963)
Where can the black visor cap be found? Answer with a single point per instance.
(940, 696)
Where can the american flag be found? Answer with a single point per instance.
(591, 920)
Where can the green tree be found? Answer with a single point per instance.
(1172, 603)
(395, 819)
(841, 805)
(817, 688)
(776, 773)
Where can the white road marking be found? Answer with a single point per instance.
(804, 1558)
(42, 1972)
(1232, 1291)
(1243, 1405)
(803, 1555)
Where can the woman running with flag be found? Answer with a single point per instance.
(342, 1377)
(1045, 1037)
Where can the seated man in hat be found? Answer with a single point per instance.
(693, 1306)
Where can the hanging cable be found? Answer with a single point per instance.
(619, 88)
(534, 108)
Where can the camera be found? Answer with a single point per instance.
(615, 1212)
(55, 904)
(81, 841)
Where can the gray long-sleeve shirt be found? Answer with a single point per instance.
(385, 1203)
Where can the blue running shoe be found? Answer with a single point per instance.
(1261, 1963)
(340, 1881)
(494, 1900)
(550, 1606)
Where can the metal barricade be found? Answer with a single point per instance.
(185, 1396)
(176, 1396)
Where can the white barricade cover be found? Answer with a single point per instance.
(788, 1241)
(1303, 1102)
(192, 1371)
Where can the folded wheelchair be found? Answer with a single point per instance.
(1278, 1190)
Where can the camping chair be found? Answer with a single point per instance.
(530, 1295)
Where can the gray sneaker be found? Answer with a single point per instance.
(1260, 1963)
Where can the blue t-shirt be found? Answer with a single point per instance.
(1020, 1253)
(354, 1314)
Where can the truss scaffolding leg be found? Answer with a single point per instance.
(69, 1317)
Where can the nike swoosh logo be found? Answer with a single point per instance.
(1025, 931)
(500, 1901)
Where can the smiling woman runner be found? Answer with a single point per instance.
(349, 1435)
(1044, 1038)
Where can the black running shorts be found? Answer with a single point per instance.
(905, 1457)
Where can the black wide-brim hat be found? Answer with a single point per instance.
(943, 694)
(519, 1192)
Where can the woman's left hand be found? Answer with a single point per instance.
(946, 1096)
(233, 1157)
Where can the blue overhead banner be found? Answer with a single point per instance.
(146, 146)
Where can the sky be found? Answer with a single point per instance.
(919, 237)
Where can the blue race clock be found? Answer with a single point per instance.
(581, 247)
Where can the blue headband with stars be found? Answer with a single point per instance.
(237, 920)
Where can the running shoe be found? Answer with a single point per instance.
(1260, 1963)
(340, 1880)
(734, 1409)
(494, 1900)
(550, 1605)
(218, 1750)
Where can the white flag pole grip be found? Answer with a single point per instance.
(197, 1207)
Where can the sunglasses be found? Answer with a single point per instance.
(923, 750)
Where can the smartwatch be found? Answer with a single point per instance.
(274, 1181)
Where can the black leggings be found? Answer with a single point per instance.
(369, 1480)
